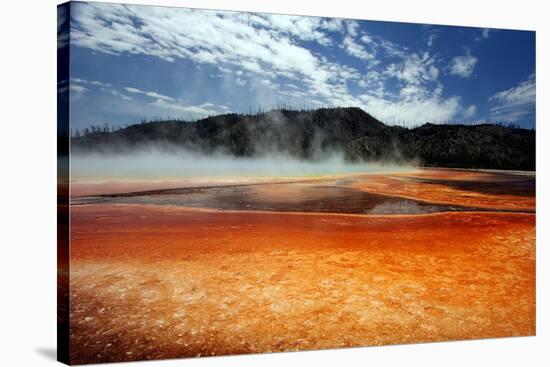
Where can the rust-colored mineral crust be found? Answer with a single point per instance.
(162, 281)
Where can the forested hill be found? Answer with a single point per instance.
(314, 133)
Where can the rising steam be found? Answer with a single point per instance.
(159, 164)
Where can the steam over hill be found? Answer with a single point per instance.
(316, 134)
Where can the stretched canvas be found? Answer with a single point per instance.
(233, 182)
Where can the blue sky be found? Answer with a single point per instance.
(130, 63)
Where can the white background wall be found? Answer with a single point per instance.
(28, 190)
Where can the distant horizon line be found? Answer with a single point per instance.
(284, 108)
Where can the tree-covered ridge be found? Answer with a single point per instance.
(313, 134)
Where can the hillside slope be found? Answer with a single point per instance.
(313, 134)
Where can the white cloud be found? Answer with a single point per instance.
(463, 66)
(167, 103)
(470, 111)
(414, 69)
(484, 35)
(256, 43)
(413, 110)
(100, 84)
(431, 39)
(90, 82)
(300, 27)
(78, 88)
(354, 49)
(134, 90)
(77, 85)
(159, 96)
(118, 94)
(160, 102)
(202, 110)
(332, 24)
(514, 103)
(267, 47)
(393, 49)
(149, 94)
(419, 96)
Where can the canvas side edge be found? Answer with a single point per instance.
(63, 184)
